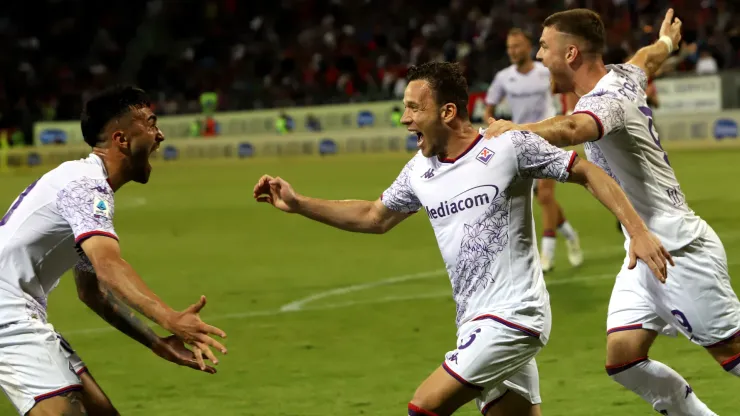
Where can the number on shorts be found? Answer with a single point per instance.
(682, 319)
(470, 340)
(15, 205)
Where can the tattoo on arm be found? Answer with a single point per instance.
(103, 301)
(116, 313)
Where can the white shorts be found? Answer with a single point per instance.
(37, 364)
(697, 299)
(494, 359)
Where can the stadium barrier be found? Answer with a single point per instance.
(675, 131)
(247, 123)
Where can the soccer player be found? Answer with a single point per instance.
(615, 125)
(64, 220)
(526, 86)
(478, 198)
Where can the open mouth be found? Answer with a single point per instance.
(419, 138)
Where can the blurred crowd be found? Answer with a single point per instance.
(264, 54)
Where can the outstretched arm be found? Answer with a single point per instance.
(373, 217)
(650, 58)
(86, 204)
(103, 302)
(350, 215)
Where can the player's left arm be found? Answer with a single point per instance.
(643, 244)
(650, 58)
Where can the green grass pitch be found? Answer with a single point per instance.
(194, 229)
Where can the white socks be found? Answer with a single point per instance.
(567, 230)
(660, 386)
(548, 247)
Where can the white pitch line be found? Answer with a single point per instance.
(297, 305)
(340, 305)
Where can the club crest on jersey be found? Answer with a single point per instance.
(100, 208)
(485, 155)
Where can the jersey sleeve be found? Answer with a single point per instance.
(495, 92)
(607, 110)
(400, 196)
(87, 205)
(538, 159)
(635, 74)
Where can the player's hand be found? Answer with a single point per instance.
(173, 349)
(188, 326)
(672, 28)
(646, 247)
(276, 192)
(498, 127)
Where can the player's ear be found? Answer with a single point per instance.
(448, 112)
(571, 52)
(120, 139)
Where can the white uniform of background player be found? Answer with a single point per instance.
(480, 206)
(39, 240)
(530, 99)
(697, 299)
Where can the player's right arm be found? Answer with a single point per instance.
(372, 217)
(87, 205)
(494, 95)
(650, 58)
(103, 301)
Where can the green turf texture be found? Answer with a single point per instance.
(194, 229)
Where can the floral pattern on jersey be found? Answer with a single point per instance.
(635, 73)
(483, 240)
(400, 196)
(77, 205)
(596, 156)
(538, 159)
(608, 108)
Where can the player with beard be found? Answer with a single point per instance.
(526, 87)
(613, 121)
(64, 221)
(478, 197)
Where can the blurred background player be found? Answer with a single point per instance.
(615, 125)
(62, 221)
(477, 195)
(526, 87)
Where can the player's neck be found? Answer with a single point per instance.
(460, 140)
(525, 67)
(114, 168)
(587, 76)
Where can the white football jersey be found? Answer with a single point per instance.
(41, 232)
(480, 206)
(629, 150)
(529, 95)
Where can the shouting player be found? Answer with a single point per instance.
(477, 195)
(64, 220)
(613, 121)
(526, 86)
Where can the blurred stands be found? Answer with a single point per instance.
(281, 53)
